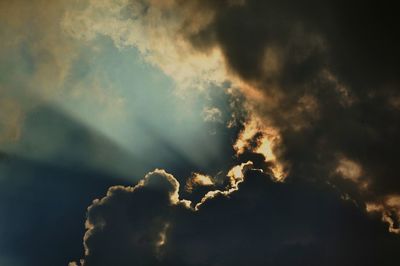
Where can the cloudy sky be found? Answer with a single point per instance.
(199, 132)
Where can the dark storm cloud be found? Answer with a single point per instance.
(327, 77)
(132, 221)
(329, 71)
(262, 223)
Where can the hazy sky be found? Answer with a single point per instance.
(232, 132)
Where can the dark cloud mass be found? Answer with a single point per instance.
(328, 81)
(329, 71)
(259, 224)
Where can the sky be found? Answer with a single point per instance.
(199, 132)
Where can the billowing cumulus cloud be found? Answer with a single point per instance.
(321, 96)
(312, 71)
(323, 75)
(132, 221)
(256, 224)
(320, 75)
